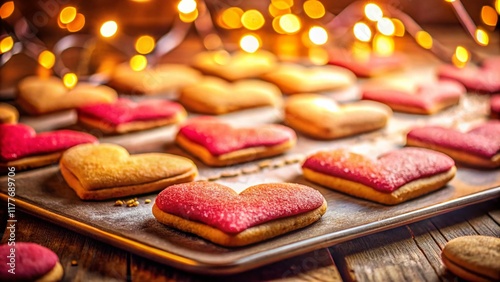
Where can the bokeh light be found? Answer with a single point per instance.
(138, 62)
(318, 35)
(144, 44)
(250, 43)
(373, 12)
(7, 9)
(186, 6)
(46, 59)
(482, 37)
(275, 12)
(462, 54)
(318, 55)
(424, 39)
(6, 44)
(109, 28)
(489, 16)
(190, 17)
(252, 19)
(77, 24)
(70, 80)
(290, 23)
(386, 26)
(67, 15)
(314, 9)
(399, 27)
(231, 18)
(383, 45)
(362, 32)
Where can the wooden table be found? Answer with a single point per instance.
(408, 253)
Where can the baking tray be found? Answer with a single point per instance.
(44, 193)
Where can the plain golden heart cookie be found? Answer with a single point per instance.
(152, 81)
(44, 95)
(321, 117)
(217, 96)
(8, 113)
(235, 66)
(108, 171)
(293, 78)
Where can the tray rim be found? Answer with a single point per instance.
(261, 258)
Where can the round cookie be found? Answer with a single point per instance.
(473, 258)
(8, 113)
(32, 263)
(294, 78)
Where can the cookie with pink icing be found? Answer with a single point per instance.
(495, 107)
(392, 178)
(419, 98)
(125, 115)
(219, 144)
(31, 262)
(368, 65)
(479, 147)
(483, 79)
(21, 147)
(224, 217)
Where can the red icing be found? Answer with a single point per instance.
(125, 110)
(484, 79)
(18, 141)
(495, 104)
(220, 207)
(483, 140)
(365, 68)
(220, 138)
(426, 96)
(31, 262)
(389, 172)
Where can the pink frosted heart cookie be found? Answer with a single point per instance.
(365, 66)
(321, 117)
(478, 147)
(219, 144)
(495, 107)
(21, 147)
(31, 262)
(392, 178)
(125, 115)
(217, 213)
(484, 79)
(406, 96)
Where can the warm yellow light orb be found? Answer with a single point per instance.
(138, 62)
(386, 26)
(489, 16)
(6, 9)
(318, 35)
(188, 18)
(383, 45)
(77, 24)
(424, 39)
(318, 55)
(186, 6)
(109, 28)
(482, 37)
(70, 80)
(462, 54)
(275, 12)
(231, 17)
(252, 20)
(497, 6)
(6, 44)
(282, 4)
(314, 9)
(144, 44)
(46, 59)
(373, 12)
(67, 15)
(290, 23)
(250, 43)
(399, 27)
(362, 32)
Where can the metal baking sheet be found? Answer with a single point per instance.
(44, 193)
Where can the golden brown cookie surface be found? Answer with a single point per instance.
(8, 113)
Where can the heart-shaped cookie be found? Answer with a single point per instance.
(419, 98)
(219, 144)
(98, 172)
(23, 148)
(162, 79)
(8, 113)
(235, 66)
(217, 213)
(294, 78)
(125, 115)
(216, 96)
(478, 147)
(39, 95)
(495, 106)
(365, 66)
(321, 117)
(484, 79)
(393, 178)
